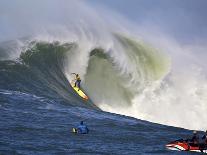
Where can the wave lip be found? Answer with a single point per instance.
(114, 77)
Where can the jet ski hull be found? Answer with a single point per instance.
(184, 145)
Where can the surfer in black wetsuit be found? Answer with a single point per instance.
(195, 138)
(77, 81)
(204, 138)
(203, 144)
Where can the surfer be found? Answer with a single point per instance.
(77, 80)
(81, 129)
(75, 83)
(195, 138)
(205, 138)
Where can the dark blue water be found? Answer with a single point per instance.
(38, 109)
(34, 125)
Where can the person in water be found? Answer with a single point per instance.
(77, 81)
(82, 128)
(203, 143)
(204, 138)
(195, 138)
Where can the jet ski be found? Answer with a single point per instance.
(186, 145)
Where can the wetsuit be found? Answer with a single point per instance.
(203, 144)
(205, 139)
(82, 129)
(78, 81)
(195, 139)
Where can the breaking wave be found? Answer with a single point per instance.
(120, 73)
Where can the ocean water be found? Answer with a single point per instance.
(144, 91)
(38, 125)
(38, 109)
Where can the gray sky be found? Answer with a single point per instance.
(184, 20)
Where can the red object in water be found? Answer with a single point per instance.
(184, 145)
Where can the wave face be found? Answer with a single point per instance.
(39, 70)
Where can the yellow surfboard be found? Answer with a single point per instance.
(79, 92)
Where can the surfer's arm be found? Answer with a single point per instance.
(75, 75)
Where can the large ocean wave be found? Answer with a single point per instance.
(130, 78)
(120, 72)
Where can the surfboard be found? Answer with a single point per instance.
(79, 92)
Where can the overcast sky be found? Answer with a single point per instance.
(186, 20)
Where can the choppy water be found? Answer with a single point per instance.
(134, 79)
(31, 124)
